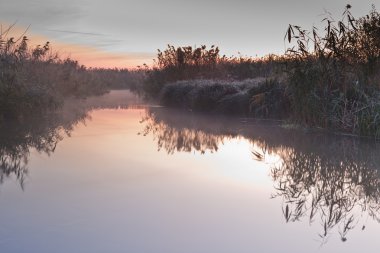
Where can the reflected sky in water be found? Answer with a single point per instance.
(150, 179)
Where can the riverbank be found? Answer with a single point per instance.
(269, 98)
(327, 80)
(36, 80)
(258, 97)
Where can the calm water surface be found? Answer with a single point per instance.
(112, 174)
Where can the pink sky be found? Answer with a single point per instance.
(127, 33)
(86, 55)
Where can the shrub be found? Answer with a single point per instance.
(188, 63)
(231, 97)
(34, 80)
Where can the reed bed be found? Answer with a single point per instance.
(35, 80)
(327, 78)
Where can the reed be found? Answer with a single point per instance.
(35, 80)
(333, 77)
(194, 63)
(327, 78)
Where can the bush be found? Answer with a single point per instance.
(329, 79)
(230, 97)
(35, 80)
(188, 63)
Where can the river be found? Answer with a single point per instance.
(114, 174)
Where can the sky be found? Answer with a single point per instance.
(127, 33)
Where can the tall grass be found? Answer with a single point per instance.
(34, 80)
(334, 76)
(256, 97)
(192, 63)
(327, 78)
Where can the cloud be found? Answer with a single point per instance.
(40, 12)
(76, 32)
(251, 27)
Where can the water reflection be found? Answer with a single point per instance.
(43, 133)
(336, 182)
(324, 179)
(332, 180)
(179, 139)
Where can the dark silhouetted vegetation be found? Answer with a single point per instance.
(334, 78)
(199, 63)
(328, 78)
(34, 80)
(256, 97)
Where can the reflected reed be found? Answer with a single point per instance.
(325, 178)
(43, 133)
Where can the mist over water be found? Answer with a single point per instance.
(114, 174)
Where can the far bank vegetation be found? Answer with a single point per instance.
(327, 78)
(35, 80)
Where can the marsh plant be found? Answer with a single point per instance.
(327, 78)
(334, 76)
(197, 63)
(35, 80)
(255, 97)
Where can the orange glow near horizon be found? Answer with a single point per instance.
(85, 55)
